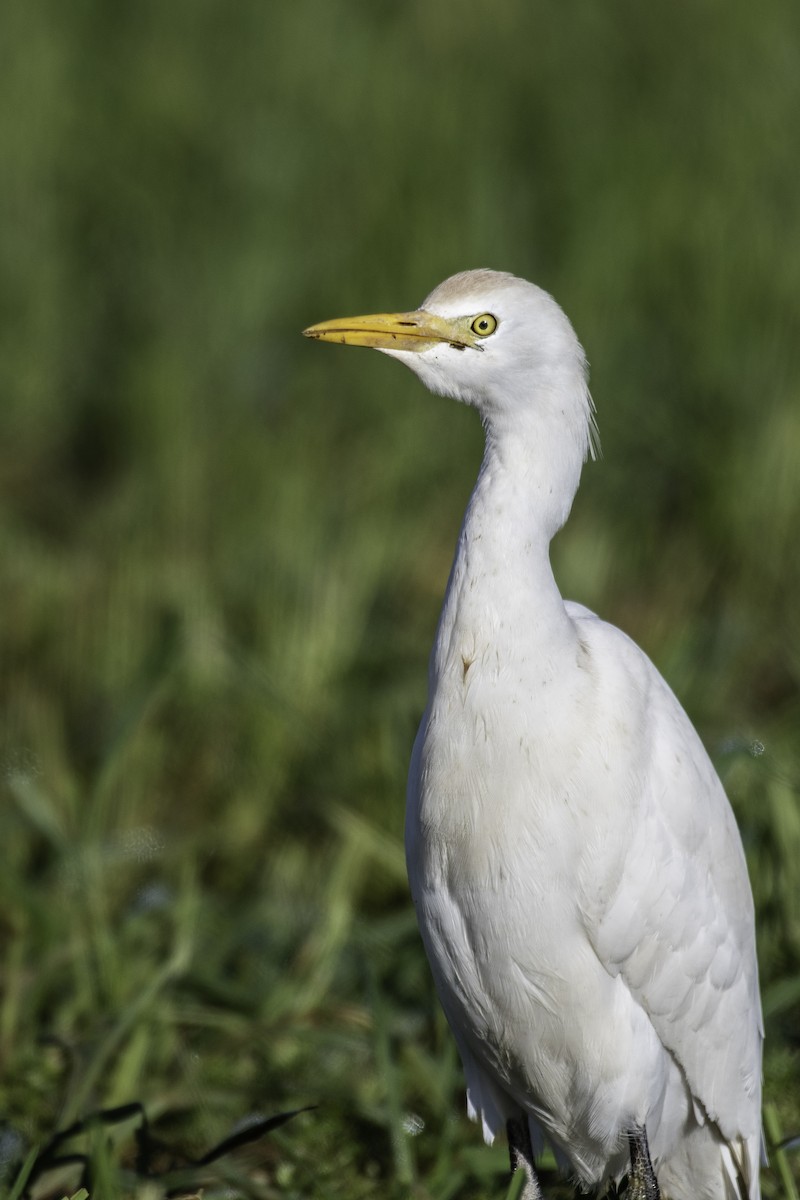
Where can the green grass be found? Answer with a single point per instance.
(222, 549)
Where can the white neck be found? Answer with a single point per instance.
(501, 586)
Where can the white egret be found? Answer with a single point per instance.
(575, 865)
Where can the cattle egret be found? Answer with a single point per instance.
(575, 865)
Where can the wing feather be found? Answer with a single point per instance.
(676, 921)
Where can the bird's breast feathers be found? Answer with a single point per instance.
(514, 758)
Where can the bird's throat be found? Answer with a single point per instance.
(502, 595)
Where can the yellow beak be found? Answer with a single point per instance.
(397, 331)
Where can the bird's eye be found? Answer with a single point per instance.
(484, 325)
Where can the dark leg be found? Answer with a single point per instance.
(642, 1182)
(520, 1153)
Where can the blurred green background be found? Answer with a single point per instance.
(223, 548)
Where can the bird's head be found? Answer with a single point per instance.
(490, 340)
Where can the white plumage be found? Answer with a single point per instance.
(575, 865)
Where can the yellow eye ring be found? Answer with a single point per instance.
(484, 325)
